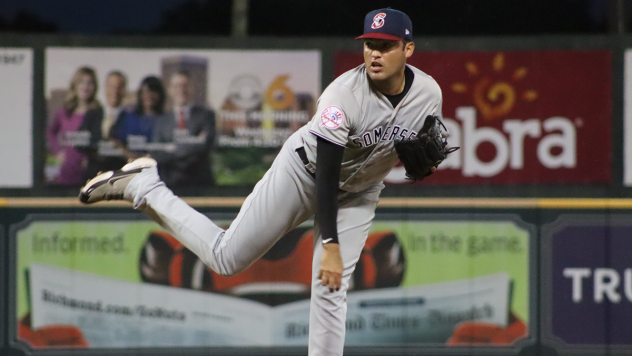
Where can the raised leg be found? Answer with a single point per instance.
(279, 202)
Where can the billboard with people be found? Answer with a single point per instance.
(209, 117)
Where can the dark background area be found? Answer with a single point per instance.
(311, 17)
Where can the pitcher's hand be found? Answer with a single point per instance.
(330, 272)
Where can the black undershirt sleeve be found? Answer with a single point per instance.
(328, 160)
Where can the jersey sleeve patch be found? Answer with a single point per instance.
(332, 117)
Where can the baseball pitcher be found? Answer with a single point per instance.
(332, 168)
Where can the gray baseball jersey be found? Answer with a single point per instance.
(351, 113)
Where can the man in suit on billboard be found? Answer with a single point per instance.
(190, 131)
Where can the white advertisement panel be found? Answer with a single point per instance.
(16, 117)
(113, 313)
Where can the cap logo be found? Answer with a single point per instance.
(331, 117)
(378, 20)
(407, 32)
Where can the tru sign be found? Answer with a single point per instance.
(607, 283)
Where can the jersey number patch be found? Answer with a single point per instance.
(332, 117)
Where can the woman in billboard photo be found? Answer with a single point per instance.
(135, 128)
(63, 132)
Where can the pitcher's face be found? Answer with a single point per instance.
(384, 59)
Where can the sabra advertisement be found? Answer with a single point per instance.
(519, 117)
(97, 282)
(209, 117)
(588, 281)
(16, 117)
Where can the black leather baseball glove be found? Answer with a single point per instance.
(425, 151)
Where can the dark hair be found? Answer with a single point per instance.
(155, 85)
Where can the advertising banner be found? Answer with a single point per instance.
(16, 117)
(588, 281)
(519, 117)
(207, 116)
(111, 282)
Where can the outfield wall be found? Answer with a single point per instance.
(438, 276)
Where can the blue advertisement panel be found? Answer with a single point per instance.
(587, 274)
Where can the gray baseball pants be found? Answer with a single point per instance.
(283, 199)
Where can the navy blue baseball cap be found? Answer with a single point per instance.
(387, 24)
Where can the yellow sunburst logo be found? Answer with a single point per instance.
(495, 98)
